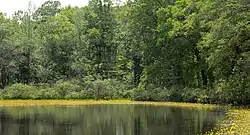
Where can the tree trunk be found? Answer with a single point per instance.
(202, 71)
(137, 70)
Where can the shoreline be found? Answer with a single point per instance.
(237, 120)
(17, 102)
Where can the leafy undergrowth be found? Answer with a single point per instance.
(237, 122)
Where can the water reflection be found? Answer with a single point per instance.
(106, 120)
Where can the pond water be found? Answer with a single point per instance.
(106, 120)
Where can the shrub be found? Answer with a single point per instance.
(150, 94)
(64, 88)
(1, 93)
(173, 94)
(142, 96)
(99, 89)
(87, 94)
(234, 91)
(221, 93)
(127, 94)
(74, 95)
(104, 89)
(20, 91)
(195, 95)
(164, 95)
(48, 93)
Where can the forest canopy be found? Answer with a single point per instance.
(157, 50)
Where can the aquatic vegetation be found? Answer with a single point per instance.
(59, 102)
(237, 122)
(86, 102)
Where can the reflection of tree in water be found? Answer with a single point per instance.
(3, 120)
(137, 125)
(33, 125)
(104, 120)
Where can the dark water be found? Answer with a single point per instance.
(106, 120)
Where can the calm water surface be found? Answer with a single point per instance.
(106, 120)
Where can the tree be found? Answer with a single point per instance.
(141, 24)
(58, 46)
(49, 8)
(178, 34)
(226, 45)
(7, 51)
(102, 50)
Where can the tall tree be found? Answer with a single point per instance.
(141, 35)
(226, 45)
(100, 33)
(7, 51)
(49, 8)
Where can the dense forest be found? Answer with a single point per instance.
(150, 50)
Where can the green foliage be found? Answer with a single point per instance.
(164, 50)
(75, 95)
(234, 91)
(106, 89)
(99, 89)
(1, 94)
(20, 91)
(156, 94)
(196, 95)
(49, 8)
(65, 88)
(48, 93)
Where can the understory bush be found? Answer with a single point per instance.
(1, 94)
(20, 91)
(156, 94)
(195, 95)
(98, 89)
(48, 93)
(232, 91)
(236, 92)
